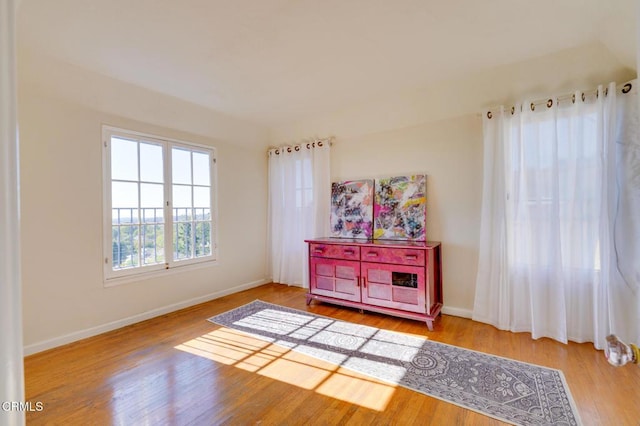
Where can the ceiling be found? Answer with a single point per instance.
(277, 61)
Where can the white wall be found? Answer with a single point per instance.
(448, 151)
(61, 196)
(438, 131)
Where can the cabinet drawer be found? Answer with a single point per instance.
(334, 251)
(399, 256)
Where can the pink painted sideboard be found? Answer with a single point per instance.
(401, 278)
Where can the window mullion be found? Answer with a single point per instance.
(192, 234)
(140, 245)
(168, 205)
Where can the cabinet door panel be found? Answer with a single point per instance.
(324, 283)
(345, 287)
(346, 272)
(379, 276)
(326, 270)
(378, 291)
(335, 278)
(394, 286)
(405, 295)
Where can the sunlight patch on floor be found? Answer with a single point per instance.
(231, 347)
(351, 387)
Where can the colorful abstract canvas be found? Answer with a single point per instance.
(400, 208)
(352, 209)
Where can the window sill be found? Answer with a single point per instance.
(144, 276)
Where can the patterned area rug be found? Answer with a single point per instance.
(508, 390)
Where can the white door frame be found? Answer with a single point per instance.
(11, 346)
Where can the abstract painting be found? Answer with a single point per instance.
(352, 209)
(400, 210)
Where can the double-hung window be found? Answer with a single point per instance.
(555, 165)
(158, 203)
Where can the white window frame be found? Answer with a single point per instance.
(115, 277)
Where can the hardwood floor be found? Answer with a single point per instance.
(164, 371)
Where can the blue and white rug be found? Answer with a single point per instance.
(508, 390)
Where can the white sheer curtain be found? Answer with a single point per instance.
(556, 253)
(299, 198)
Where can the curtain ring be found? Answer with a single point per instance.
(583, 97)
(297, 148)
(573, 98)
(288, 149)
(606, 91)
(549, 103)
(533, 106)
(513, 109)
(308, 147)
(319, 143)
(277, 152)
(626, 88)
(489, 115)
(313, 145)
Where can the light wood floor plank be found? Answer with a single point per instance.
(143, 374)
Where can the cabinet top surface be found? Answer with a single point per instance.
(372, 242)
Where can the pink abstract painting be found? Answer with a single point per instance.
(399, 209)
(352, 209)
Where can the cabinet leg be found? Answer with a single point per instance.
(430, 325)
(309, 298)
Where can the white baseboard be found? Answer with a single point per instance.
(457, 312)
(94, 331)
